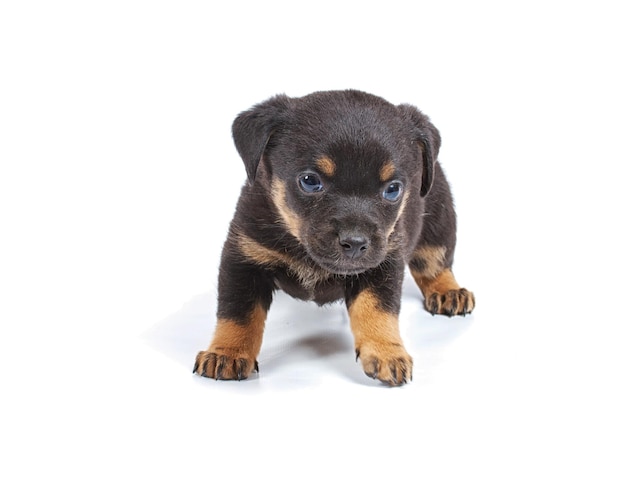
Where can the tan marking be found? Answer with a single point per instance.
(289, 218)
(378, 342)
(245, 338)
(326, 166)
(441, 284)
(307, 275)
(405, 198)
(432, 259)
(235, 346)
(387, 171)
(443, 295)
(260, 254)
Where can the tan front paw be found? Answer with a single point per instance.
(225, 364)
(389, 363)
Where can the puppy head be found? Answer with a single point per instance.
(341, 168)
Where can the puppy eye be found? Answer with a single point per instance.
(393, 191)
(310, 182)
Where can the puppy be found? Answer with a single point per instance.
(344, 191)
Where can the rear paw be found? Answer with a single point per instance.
(451, 303)
(224, 365)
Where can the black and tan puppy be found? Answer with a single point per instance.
(344, 190)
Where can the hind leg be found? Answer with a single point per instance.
(431, 270)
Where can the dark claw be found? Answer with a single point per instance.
(256, 366)
(464, 310)
(195, 367)
(219, 369)
(436, 303)
(455, 305)
(375, 373)
(204, 367)
(358, 354)
(240, 366)
(393, 373)
(372, 375)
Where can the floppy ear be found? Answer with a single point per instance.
(253, 128)
(427, 135)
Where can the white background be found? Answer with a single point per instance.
(119, 177)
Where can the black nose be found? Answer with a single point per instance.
(354, 246)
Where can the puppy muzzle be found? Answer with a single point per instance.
(347, 246)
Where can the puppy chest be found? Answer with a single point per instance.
(312, 287)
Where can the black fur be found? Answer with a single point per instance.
(283, 136)
(282, 237)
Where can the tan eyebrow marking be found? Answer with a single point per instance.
(387, 171)
(326, 165)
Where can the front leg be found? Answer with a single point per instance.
(244, 296)
(234, 349)
(373, 315)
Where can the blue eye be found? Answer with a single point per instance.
(310, 183)
(393, 191)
